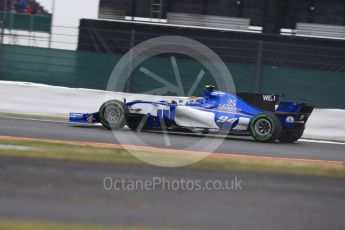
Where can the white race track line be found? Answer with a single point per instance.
(66, 122)
(322, 142)
(33, 119)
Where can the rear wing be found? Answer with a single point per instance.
(291, 108)
(263, 101)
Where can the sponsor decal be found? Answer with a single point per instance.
(290, 119)
(269, 97)
(76, 114)
(226, 119)
(229, 106)
(216, 93)
(90, 118)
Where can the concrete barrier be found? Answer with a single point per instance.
(326, 124)
(40, 99)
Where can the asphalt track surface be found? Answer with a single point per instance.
(70, 191)
(73, 192)
(243, 145)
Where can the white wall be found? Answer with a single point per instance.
(69, 12)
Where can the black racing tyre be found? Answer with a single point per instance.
(112, 114)
(290, 136)
(265, 127)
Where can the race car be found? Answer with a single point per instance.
(263, 116)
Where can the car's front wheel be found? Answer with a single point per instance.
(265, 127)
(112, 114)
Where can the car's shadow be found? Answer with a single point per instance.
(189, 133)
(85, 126)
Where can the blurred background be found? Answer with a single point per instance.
(290, 47)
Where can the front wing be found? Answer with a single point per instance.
(84, 117)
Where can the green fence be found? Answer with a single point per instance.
(324, 89)
(36, 23)
(92, 70)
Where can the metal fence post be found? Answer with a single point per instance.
(131, 45)
(258, 68)
(51, 25)
(2, 47)
(3, 21)
(2, 32)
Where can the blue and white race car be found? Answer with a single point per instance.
(260, 115)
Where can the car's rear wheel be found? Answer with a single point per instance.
(290, 136)
(112, 114)
(265, 127)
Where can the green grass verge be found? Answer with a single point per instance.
(29, 225)
(82, 152)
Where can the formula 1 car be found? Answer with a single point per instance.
(262, 116)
